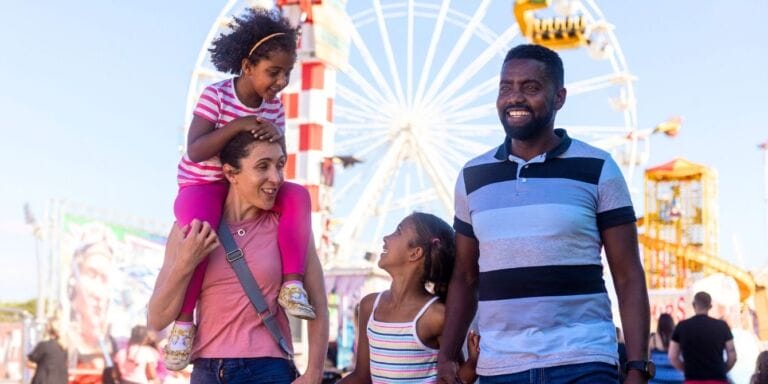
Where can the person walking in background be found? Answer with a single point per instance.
(761, 369)
(400, 329)
(50, 359)
(698, 342)
(666, 373)
(137, 362)
(532, 217)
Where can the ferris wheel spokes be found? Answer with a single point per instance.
(469, 114)
(456, 51)
(348, 145)
(467, 146)
(371, 64)
(363, 152)
(409, 55)
(427, 67)
(361, 116)
(365, 86)
(427, 160)
(360, 101)
(384, 36)
(387, 166)
(477, 64)
(598, 82)
(461, 100)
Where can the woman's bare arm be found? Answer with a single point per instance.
(317, 328)
(182, 254)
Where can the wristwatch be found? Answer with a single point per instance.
(646, 367)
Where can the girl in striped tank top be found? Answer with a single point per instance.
(399, 331)
(260, 50)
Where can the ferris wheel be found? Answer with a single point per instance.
(416, 99)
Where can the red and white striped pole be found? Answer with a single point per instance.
(308, 102)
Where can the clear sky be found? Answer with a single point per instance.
(92, 95)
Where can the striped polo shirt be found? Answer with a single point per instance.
(542, 298)
(220, 105)
(397, 354)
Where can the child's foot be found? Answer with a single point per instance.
(177, 352)
(293, 298)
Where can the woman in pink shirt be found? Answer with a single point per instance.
(232, 343)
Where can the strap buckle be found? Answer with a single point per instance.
(266, 315)
(235, 255)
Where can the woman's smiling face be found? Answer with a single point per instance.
(260, 175)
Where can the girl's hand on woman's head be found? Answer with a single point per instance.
(265, 130)
(198, 240)
(246, 123)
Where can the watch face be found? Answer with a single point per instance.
(647, 368)
(650, 369)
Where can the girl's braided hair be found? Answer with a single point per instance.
(229, 50)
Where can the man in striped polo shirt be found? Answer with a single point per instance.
(532, 217)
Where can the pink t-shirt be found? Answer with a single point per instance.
(228, 326)
(219, 104)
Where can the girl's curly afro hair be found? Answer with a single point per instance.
(229, 50)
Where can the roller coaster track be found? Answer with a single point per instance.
(743, 278)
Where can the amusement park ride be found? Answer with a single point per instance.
(390, 98)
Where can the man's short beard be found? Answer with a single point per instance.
(533, 129)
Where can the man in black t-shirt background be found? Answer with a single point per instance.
(698, 342)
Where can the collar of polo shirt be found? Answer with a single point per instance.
(503, 152)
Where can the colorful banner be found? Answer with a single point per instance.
(12, 361)
(107, 275)
(331, 32)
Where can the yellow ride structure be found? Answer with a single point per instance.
(679, 229)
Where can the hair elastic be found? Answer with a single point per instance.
(258, 43)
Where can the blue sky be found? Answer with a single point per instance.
(93, 96)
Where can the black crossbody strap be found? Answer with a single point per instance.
(251, 288)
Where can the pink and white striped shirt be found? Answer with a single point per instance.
(219, 104)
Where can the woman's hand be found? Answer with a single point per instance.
(185, 248)
(309, 378)
(195, 241)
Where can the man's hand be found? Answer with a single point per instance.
(447, 372)
(635, 377)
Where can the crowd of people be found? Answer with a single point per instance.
(522, 257)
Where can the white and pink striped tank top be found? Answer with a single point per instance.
(397, 354)
(219, 104)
